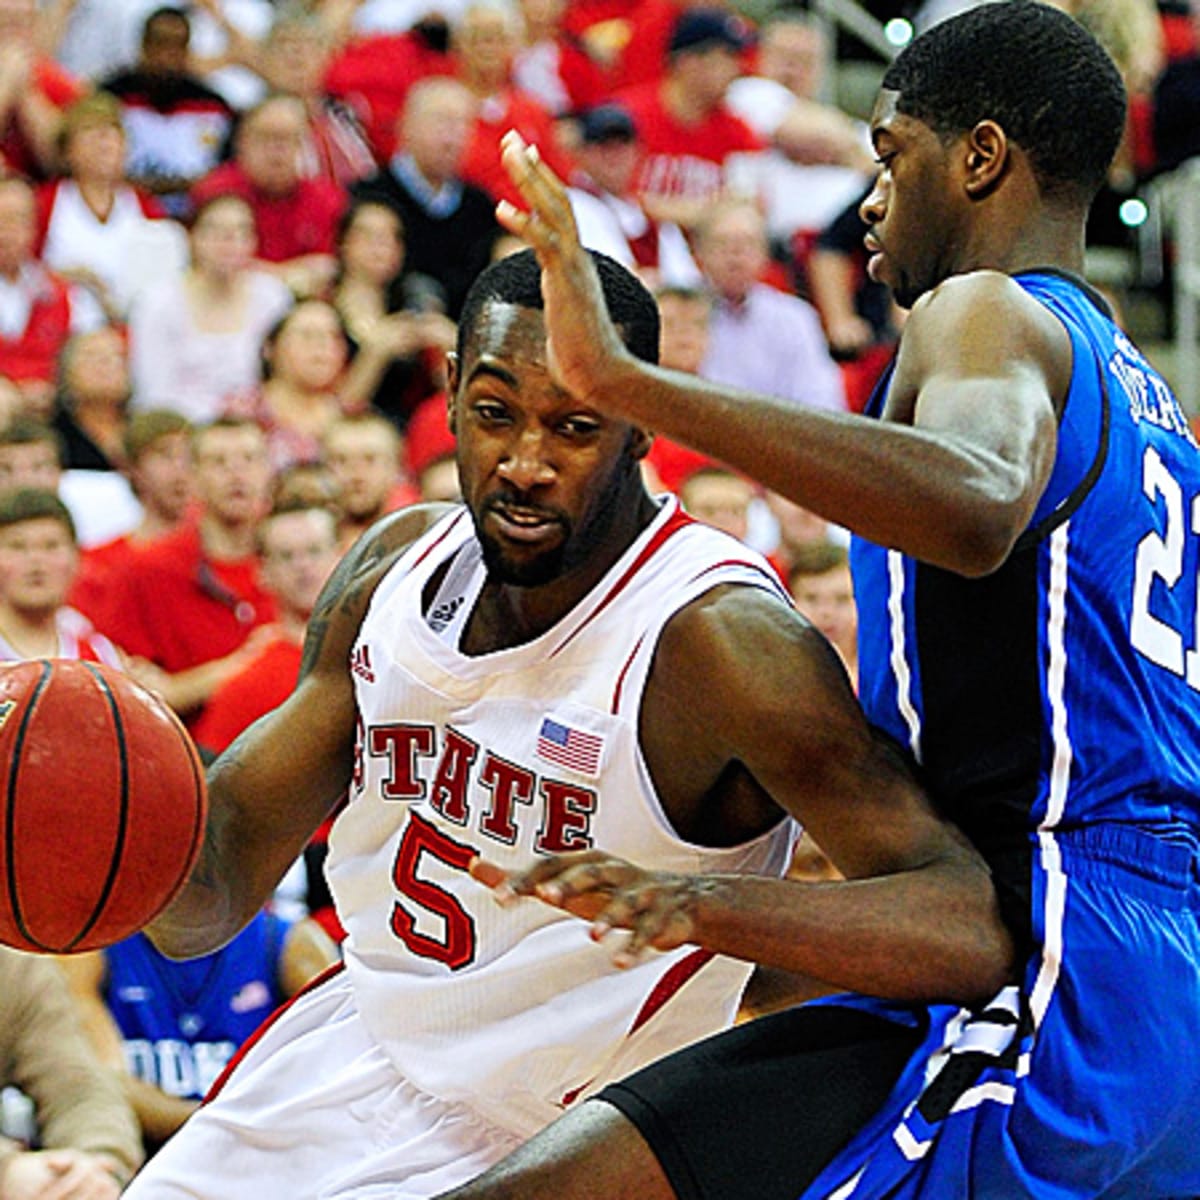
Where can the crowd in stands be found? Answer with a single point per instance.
(234, 240)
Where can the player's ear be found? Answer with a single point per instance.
(640, 441)
(987, 158)
(451, 373)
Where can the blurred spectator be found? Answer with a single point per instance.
(363, 452)
(295, 217)
(96, 228)
(375, 73)
(33, 93)
(101, 503)
(293, 59)
(38, 560)
(93, 399)
(485, 41)
(430, 447)
(88, 1134)
(168, 1028)
(719, 497)
(303, 363)
(192, 601)
(195, 336)
(689, 136)
(820, 158)
(449, 224)
(609, 213)
(175, 123)
(158, 464)
(552, 66)
(399, 339)
(795, 530)
(299, 548)
(862, 323)
(760, 338)
(823, 591)
(39, 310)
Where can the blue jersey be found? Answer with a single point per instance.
(1064, 689)
(182, 1021)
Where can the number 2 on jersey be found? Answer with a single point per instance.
(456, 946)
(1160, 556)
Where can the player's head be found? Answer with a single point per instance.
(1007, 85)
(38, 554)
(545, 476)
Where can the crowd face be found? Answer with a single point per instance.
(373, 245)
(38, 559)
(541, 473)
(165, 45)
(705, 74)
(18, 227)
(223, 238)
(162, 476)
(364, 457)
(437, 128)
(720, 499)
(96, 152)
(732, 251)
(827, 600)
(299, 550)
(611, 164)
(232, 472)
(310, 348)
(683, 341)
(96, 370)
(270, 145)
(295, 59)
(29, 465)
(486, 41)
(794, 55)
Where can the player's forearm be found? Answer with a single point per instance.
(932, 934)
(961, 505)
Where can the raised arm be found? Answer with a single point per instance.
(275, 784)
(951, 475)
(741, 680)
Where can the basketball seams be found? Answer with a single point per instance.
(114, 864)
(14, 897)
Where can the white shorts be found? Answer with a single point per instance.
(316, 1111)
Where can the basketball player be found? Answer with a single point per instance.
(560, 663)
(1028, 602)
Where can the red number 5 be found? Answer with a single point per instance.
(456, 947)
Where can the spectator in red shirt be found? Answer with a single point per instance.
(688, 134)
(299, 548)
(296, 218)
(485, 41)
(191, 600)
(552, 66)
(33, 93)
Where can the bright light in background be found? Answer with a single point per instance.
(898, 31)
(1133, 212)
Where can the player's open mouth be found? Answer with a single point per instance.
(525, 525)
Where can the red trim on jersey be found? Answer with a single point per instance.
(253, 1040)
(437, 542)
(677, 521)
(616, 699)
(669, 984)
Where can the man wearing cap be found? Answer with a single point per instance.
(688, 135)
(609, 213)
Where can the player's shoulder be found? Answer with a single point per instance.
(983, 295)
(347, 594)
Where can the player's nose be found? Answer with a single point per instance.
(527, 463)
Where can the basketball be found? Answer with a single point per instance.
(102, 805)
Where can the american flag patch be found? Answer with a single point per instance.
(569, 747)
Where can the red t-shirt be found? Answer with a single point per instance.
(178, 608)
(684, 160)
(302, 222)
(497, 115)
(263, 684)
(643, 26)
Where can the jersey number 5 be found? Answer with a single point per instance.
(1160, 556)
(456, 946)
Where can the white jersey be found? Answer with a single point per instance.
(515, 755)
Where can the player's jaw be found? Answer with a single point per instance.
(524, 542)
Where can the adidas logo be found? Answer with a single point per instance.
(360, 663)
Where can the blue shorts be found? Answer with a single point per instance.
(1085, 1082)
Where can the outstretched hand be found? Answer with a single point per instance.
(583, 346)
(656, 907)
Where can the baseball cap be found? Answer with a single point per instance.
(699, 28)
(607, 123)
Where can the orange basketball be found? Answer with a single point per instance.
(102, 805)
